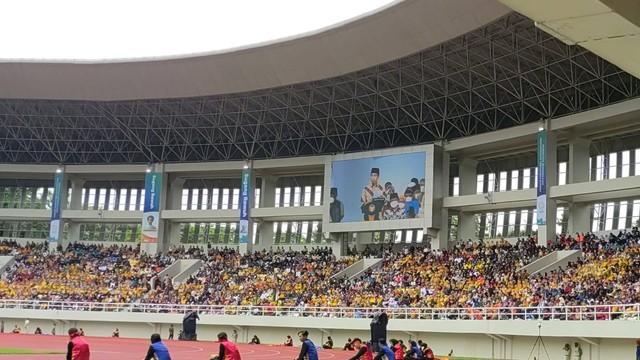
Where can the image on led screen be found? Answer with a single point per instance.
(377, 188)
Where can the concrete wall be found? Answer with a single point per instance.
(552, 261)
(5, 263)
(358, 268)
(188, 267)
(514, 339)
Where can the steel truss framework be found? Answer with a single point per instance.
(504, 74)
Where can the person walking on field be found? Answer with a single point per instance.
(77, 348)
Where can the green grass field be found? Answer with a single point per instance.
(14, 351)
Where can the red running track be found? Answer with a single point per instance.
(135, 349)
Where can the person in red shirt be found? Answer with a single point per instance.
(364, 353)
(228, 350)
(397, 348)
(77, 349)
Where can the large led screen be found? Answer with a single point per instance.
(377, 188)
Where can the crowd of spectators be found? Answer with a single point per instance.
(468, 275)
(81, 272)
(279, 277)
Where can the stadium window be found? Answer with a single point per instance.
(113, 197)
(141, 203)
(102, 197)
(408, 236)
(307, 196)
(488, 225)
(637, 163)
(225, 199)
(92, 199)
(559, 220)
(296, 196)
(622, 215)
(398, 237)
(480, 184)
(254, 236)
(535, 176)
(596, 212)
(500, 224)
(233, 232)
(524, 219)
(626, 163)
(608, 224)
(511, 231)
(514, 179)
(491, 183)
(613, 165)
(278, 201)
(123, 200)
(284, 228)
(635, 216)
(39, 198)
(194, 199)
(317, 197)
(133, 197)
(503, 181)
(419, 236)
(256, 199)
(185, 199)
(236, 199)
(204, 205)
(215, 199)
(287, 197)
(562, 173)
(534, 224)
(599, 168)
(456, 186)
(526, 178)
(305, 232)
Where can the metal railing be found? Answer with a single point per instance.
(558, 313)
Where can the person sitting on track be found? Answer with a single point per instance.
(364, 353)
(228, 350)
(157, 349)
(308, 350)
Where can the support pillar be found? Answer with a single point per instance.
(174, 202)
(468, 173)
(267, 200)
(76, 204)
(547, 177)
(440, 191)
(578, 172)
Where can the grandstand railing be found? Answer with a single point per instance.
(562, 313)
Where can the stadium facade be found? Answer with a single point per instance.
(455, 124)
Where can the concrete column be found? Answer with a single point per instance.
(442, 161)
(268, 191)
(468, 171)
(547, 231)
(466, 226)
(579, 218)
(578, 172)
(174, 202)
(579, 157)
(75, 204)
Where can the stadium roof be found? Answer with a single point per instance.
(502, 74)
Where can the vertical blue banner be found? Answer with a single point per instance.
(151, 213)
(245, 193)
(54, 228)
(541, 200)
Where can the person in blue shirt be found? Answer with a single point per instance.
(384, 351)
(308, 350)
(157, 349)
